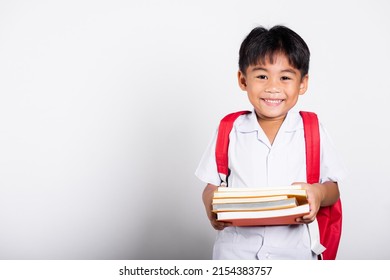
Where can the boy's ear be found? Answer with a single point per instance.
(304, 84)
(241, 80)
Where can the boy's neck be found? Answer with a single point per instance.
(270, 127)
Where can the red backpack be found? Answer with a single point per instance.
(329, 218)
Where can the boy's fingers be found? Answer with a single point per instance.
(306, 219)
(220, 225)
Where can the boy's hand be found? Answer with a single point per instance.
(207, 196)
(318, 195)
(314, 197)
(217, 224)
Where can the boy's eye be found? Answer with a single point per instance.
(262, 77)
(284, 78)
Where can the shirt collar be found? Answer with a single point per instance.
(249, 123)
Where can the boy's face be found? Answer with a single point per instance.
(273, 89)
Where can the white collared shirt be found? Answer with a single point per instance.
(254, 162)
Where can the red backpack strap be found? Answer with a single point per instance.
(312, 139)
(329, 218)
(222, 145)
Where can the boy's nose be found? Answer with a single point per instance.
(272, 86)
(272, 89)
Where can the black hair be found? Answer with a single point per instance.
(262, 44)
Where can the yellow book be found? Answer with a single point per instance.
(300, 194)
(256, 206)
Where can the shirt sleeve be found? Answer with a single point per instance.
(332, 167)
(207, 168)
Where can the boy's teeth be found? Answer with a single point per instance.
(273, 100)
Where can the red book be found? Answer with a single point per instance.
(265, 218)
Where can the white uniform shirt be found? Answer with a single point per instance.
(254, 162)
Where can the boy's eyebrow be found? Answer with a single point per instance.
(256, 68)
(288, 70)
(292, 71)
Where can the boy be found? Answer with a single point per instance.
(267, 148)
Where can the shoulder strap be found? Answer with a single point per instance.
(312, 144)
(312, 139)
(329, 218)
(221, 149)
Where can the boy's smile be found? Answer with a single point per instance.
(273, 88)
(273, 102)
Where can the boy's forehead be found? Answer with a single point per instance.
(267, 61)
(272, 58)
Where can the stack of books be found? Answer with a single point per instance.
(260, 206)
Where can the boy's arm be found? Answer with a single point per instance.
(207, 197)
(319, 195)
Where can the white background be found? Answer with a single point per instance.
(107, 106)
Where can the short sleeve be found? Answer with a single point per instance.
(207, 168)
(332, 167)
